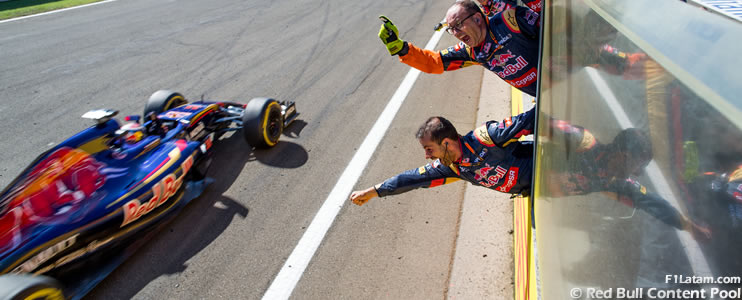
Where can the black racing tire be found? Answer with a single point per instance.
(29, 287)
(262, 122)
(162, 101)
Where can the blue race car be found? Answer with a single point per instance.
(72, 214)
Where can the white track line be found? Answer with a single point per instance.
(55, 11)
(285, 282)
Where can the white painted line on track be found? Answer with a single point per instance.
(55, 11)
(285, 282)
(692, 249)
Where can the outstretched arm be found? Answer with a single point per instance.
(428, 176)
(361, 197)
(428, 61)
(659, 208)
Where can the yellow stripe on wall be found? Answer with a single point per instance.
(523, 274)
(516, 101)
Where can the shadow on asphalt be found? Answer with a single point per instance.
(286, 155)
(295, 128)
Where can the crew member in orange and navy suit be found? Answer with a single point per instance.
(506, 43)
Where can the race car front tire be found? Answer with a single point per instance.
(29, 287)
(162, 101)
(262, 122)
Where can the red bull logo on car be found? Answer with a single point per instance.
(161, 192)
(66, 167)
(51, 192)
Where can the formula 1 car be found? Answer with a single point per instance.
(72, 214)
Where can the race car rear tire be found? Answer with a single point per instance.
(262, 122)
(29, 287)
(163, 100)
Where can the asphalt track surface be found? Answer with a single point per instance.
(232, 241)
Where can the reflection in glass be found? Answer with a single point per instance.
(639, 147)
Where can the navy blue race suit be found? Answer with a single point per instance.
(510, 50)
(492, 157)
(491, 7)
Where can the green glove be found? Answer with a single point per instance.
(389, 35)
(690, 155)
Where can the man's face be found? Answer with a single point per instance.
(435, 151)
(466, 27)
